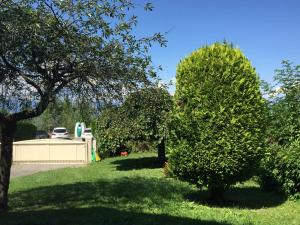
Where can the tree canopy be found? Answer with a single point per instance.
(75, 46)
(54, 47)
(284, 104)
(142, 117)
(65, 112)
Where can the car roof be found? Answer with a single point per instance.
(59, 128)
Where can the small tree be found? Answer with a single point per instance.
(280, 167)
(109, 130)
(284, 105)
(147, 111)
(217, 125)
(50, 47)
(142, 117)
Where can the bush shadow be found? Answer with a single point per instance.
(133, 193)
(239, 197)
(122, 201)
(106, 201)
(138, 163)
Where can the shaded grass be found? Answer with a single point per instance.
(100, 215)
(137, 163)
(239, 197)
(116, 192)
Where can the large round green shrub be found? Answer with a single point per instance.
(217, 126)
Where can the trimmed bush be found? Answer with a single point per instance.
(217, 125)
(281, 170)
(25, 131)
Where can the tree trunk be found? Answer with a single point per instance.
(161, 151)
(8, 131)
(216, 193)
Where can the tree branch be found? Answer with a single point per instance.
(27, 79)
(2, 117)
(64, 83)
(28, 114)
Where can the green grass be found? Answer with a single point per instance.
(133, 190)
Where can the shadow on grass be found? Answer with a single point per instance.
(97, 215)
(239, 197)
(137, 163)
(107, 201)
(120, 201)
(127, 193)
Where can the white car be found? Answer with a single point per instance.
(87, 133)
(60, 132)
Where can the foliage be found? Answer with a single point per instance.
(52, 48)
(279, 170)
(288, 169)
(145, 111)
(109, 131)
(284, 105)
(282, 170)
(82, 48)
(25, 131)
(267, 180)
(217, 125)
(140, 146)
(65, 113)
(141, 118)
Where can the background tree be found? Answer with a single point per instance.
(280, 169)
(142, 117)
(110, 130)
(65, 113)
(147, 111)
(218, 119)
(284, 104)
(53, 47)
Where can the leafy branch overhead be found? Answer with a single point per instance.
(75, 46)
(53, 48)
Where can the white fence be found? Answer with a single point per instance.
(51, 151)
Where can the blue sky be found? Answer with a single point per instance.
(266, 31)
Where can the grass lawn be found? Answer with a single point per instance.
(133, 190)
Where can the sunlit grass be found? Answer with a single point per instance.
(133, 190)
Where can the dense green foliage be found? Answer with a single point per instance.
(133, 191)
(141, 118)
(25, 131)
(267, 165)
(54, 48)
(287, 169)
(109, 131)
(218, 122)
(280, 169)
(284, 105)
(80, 48)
